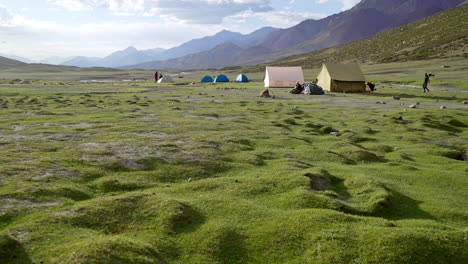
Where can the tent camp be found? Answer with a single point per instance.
(341, 78)
(242, 78)
(221, 78)
(283, 76)
(207, 79)
(165, 79)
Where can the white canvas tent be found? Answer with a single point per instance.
(165, 79)
(283, 76)
(341, 78)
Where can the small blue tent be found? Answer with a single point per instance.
(207, 79)
(242, 78)
(221, 78)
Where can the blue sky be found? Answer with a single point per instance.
(43, 28)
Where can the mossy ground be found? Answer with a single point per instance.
(145, 173)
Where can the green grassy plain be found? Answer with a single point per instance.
(190, 173)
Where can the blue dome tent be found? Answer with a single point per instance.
(207, 79)
(242, 78)
(221, 78)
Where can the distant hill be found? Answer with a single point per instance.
(132, 56)
(439, 36)
(18, 58)
(8, 63)
(365, 19)
(226, 53)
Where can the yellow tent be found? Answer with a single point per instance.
(341, 78)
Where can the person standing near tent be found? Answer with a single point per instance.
(427, 81)
(371, 86)
(156, 77)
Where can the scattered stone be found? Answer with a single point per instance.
(335, 134)
(418, 103)
(273, 97)
(168, 185)
(384, 115)
(412, 106)
(190, 179)
(265, 93)
(176, 108)
(443, 107)
(396, 97)
(465, 102)
(287, 155)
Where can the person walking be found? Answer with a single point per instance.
(156, 77)
(427, 81)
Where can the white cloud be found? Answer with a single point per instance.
(6, 17)
(114, 5)
(189, 11)
(347, 4)
(280, 19)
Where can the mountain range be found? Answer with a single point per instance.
(269, 44)
(443, 35)
(132, 56)
(365, 19)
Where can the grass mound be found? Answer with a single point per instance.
(363, 156)
(12, 252)
(116, 250)
(366, 196)
(219, 243)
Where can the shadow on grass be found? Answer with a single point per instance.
(11, 251)
(404, 207)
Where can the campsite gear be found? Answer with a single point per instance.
(341, 78)
(165, 79)
(265, 93)
(242, 78)
(221, 78)
(371, 86)
(313, 89)
(283, 76)
(207, 79)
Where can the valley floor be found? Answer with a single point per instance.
(145, 173)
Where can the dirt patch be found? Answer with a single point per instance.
(318, 183)
(155, 134)
(16, 206)
(212, 117)
(127, 153)
(44, 137)
(80, 125)
(56, 173)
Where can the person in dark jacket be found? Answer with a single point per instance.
(371, 86)
(298, 89)
(427, 81)
(156, 77)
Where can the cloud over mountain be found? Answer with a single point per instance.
(191, 11)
